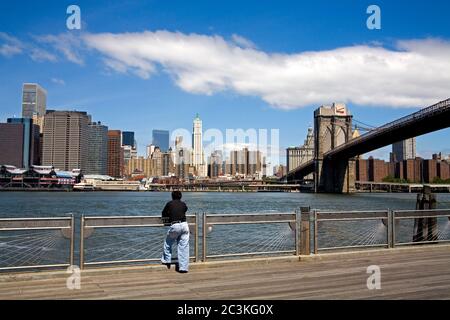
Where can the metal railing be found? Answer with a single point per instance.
(129, 239)
(290, 220)
(26, 254)
(91, 223)
(436, 219)
(348, 240)
(381, 229)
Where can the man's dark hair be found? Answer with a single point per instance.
(176, 195)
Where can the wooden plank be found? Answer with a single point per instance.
(420, 273)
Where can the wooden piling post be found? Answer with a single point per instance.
(425, 229)
(305, 231)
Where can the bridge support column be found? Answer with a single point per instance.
(332, 127)
(335, 176)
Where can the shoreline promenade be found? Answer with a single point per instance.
(416, 272)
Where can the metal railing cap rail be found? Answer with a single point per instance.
(249, 218)
(427, 213)
(350, 215)
(15, 224)
(128, 221)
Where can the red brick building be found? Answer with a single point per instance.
(115, 154)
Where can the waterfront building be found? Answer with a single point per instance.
(430, 172)
(183, 163)
(296, 156)
(167, 163)
(150, 150)
(34, 100)
(129, 146)
(98, 149)
(128, 139)
(404, 150)
(66, 140)
(279, 171)
(215, 164)
(19, 143)
(198, 158)
(160, 138)
(416, 170)
(160, 164)
(246, 163)
(115, 154)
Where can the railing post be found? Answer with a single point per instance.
(204, 236)
(196, 236)
(72, 239)
(82, 243)
(305, 231)
(316, 245)
(389, 228)
(393, 228)
(297, 232)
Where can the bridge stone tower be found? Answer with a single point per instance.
(332, 127)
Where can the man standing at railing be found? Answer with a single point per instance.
(174, 215)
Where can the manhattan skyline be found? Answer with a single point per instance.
(82, 70)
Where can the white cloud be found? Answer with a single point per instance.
(416, 74)
(58, 81)
(10, 46)
(41, 55)
(242, 42)
(13, 46)
(67, 44)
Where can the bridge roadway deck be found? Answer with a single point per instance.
(406, 273)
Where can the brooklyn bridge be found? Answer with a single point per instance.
(335, 149)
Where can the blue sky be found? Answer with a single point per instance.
(101, 75)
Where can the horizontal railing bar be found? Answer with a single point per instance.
(354, 211)
(350, 219)
(34, 223)
(351, 215)
(250, 218)
(420, 242)
(418, 217)
(121, 217)
(249, 254)
(421, 213)
(250, 214)
(34, 228)
(249, 222)
(124, 261)
(35, 267)
(130, 226)
(32, 219)
(359, 246)
(128, 221)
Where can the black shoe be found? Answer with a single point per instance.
(166, 264)
(182, 271)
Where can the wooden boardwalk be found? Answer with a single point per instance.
(406, 273)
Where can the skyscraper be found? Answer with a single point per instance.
(404, 150)
(34, 100)
(160, 138)
(247, 163)
(128, 139)
(197, 146)
(296, 156)
(215, 164)
(66, 140)
(98, 149)
(115, 154)
(19, 143)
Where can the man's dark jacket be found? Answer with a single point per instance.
(174, 210)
